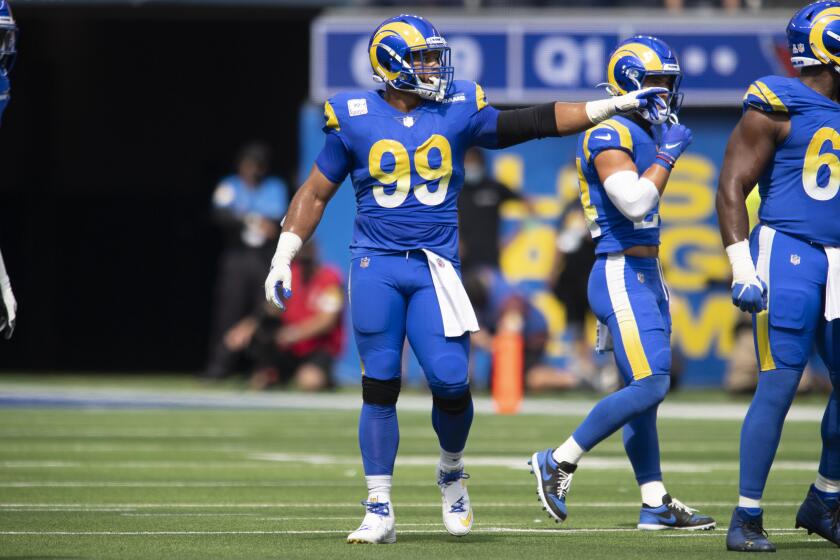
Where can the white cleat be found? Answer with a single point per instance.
(457, 512)
(378, 525)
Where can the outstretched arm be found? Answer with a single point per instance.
(562, 119)
(305, 212)
(750, 148)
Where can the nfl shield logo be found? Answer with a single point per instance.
(440, 263)
(408, 122)
(641, 277)
(795, 260)
(365, 262)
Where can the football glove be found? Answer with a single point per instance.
(279, 280)
(749, 292)
(646, 98)
(675, 139)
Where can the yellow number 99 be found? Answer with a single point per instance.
(814, 160)
(401, 174)
(443, 172)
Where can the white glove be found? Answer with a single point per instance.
(749, 292)
(8, 313)
(280, 276)
(603, 109)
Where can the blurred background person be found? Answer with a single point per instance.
(302, 343)
(248, 207)
(478, 213)
(498, 303)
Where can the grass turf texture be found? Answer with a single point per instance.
(163, 483)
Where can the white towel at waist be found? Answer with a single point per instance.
(832, 285)
(455, 307)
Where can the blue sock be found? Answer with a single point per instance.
(762, 428)
(827, 497)
(641, 442)
(752, 512)
(379, 438)
(830, 430)
(452, 429)
(615, 410)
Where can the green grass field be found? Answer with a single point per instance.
(205, 483)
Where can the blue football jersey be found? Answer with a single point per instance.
(407, 169)
(799, 186)
(610, 229)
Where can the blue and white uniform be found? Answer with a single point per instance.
(407, 171)
(798, 219)
(796, 251)
(627, 294)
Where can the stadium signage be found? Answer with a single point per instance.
(535, 59)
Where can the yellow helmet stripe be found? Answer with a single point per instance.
(647, 55)
(816, 36)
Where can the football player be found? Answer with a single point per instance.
(787, 274)
(403, 147)
(8, 38)
(623, 168)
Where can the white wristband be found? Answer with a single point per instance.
(743, 269)
(287, 247)
(600, 110)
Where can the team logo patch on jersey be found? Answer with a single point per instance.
(795, 259)
(365, 262)
(357, 107)
(408, 122)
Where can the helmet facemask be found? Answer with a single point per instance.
(431, 73)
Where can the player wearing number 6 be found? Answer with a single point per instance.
(788, 273)
(403, 148)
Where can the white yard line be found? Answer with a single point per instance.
(554, 532)
(39, 395)
(315, 506)
(520, 463)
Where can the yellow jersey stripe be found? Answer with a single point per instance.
(329, 114)
(772, 99)
(480, 97)
(631, 340)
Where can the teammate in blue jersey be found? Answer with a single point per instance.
(8, 39)
(788, 273)
(623, 167)
(403, 148)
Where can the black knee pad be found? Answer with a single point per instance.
(453, 406)
(376, 391)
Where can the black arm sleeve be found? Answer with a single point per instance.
(520, 125)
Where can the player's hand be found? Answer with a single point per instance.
(750, 296)
(749, 292)
(8, 309)
(675, 140)
(645, 98)
(279, 282)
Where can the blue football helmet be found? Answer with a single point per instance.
(814, 35)
(637, 58)
(407, 53)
